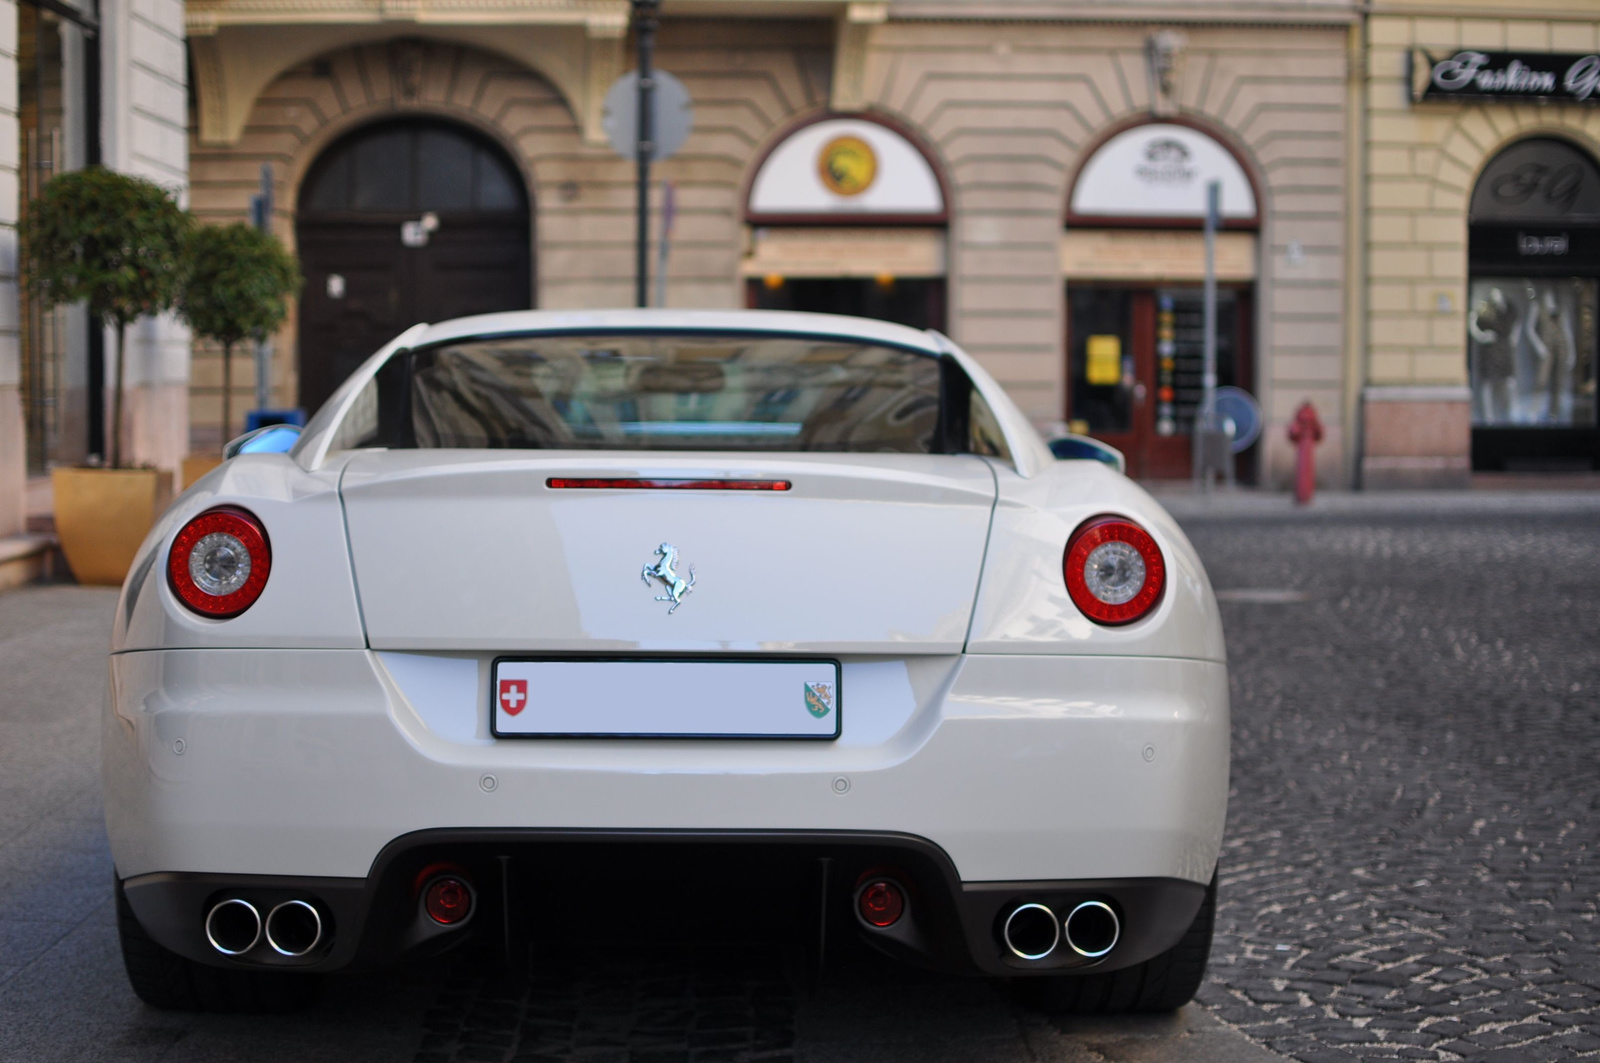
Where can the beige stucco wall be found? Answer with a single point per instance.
(1422, 160)
(748, 80)
(1008, 109)
(1012, 109)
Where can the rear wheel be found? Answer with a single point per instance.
(1162, 983)
(165, 980)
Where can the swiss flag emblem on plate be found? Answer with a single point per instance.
(513, 695)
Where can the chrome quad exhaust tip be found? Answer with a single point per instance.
(233, 926)
(294, 928)
(1092, 929)
(1031, 931)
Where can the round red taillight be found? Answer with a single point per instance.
(881, 902)
(1114, 570)
(219, 562)
(448, 900)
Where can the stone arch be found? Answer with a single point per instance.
(847, 211)
(779, 134)
(234, 64)
(310, 105)
(1480, 133)
(1249, 166)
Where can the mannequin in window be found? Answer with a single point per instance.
(1554, 350)
(1492, 325)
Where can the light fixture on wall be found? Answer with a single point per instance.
(1162, 52)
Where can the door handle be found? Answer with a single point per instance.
(1139, 392)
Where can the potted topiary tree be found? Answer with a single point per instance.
(117, 243)
(236, 286)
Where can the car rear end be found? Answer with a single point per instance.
(696, 608)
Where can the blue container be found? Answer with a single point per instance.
(261, 418)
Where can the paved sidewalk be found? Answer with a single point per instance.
(1250, 504)
(63, 995)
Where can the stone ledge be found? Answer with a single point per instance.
(25, 559)
(1414, 472)
(1417, 393)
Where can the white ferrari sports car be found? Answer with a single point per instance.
(557, 621)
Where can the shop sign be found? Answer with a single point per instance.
(1534, 249)
(1509, 76)
(1104, 360)
(842, 167)
(1160, 171)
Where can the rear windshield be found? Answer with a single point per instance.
(655, 392)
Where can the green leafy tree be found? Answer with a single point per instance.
(236, 286)
(113, 241)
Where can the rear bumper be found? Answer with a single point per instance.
(809, 878)
(310, 763)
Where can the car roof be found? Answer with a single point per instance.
(745, 321)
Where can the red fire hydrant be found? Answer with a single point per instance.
(1305, 432)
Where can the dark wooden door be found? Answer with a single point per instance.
(365, 282)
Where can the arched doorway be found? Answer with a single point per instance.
(401, 222)
(1133, 258)
(847, 216)
(1533, 299)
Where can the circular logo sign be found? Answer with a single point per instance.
(847, 165)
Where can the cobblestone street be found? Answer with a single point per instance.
(1409, 870)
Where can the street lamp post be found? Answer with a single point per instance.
(645, 20)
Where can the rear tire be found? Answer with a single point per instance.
(1162, 983)
(163, 979)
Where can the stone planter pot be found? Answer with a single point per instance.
(196, 466)
(102, 515)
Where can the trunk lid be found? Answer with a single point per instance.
(472, 550)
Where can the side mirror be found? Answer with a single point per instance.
(1082, 448)
(268, 439)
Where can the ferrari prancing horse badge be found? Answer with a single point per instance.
(665, 570)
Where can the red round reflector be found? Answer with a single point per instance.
(219, 562)
(448, 900)
(882, 903)
(1114, 570)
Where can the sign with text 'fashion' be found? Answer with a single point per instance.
(1161, 171)
(1507, 76)
(845, 166)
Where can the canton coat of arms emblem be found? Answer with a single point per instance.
(819, 699)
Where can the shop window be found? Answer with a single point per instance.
(1531, 345)
(917, 302)
(1533, 308)
(847, 216)
(1133, 258)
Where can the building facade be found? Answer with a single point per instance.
(1028, 177)
(89, 83)
(1482, 258)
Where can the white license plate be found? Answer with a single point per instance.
(593, 698)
